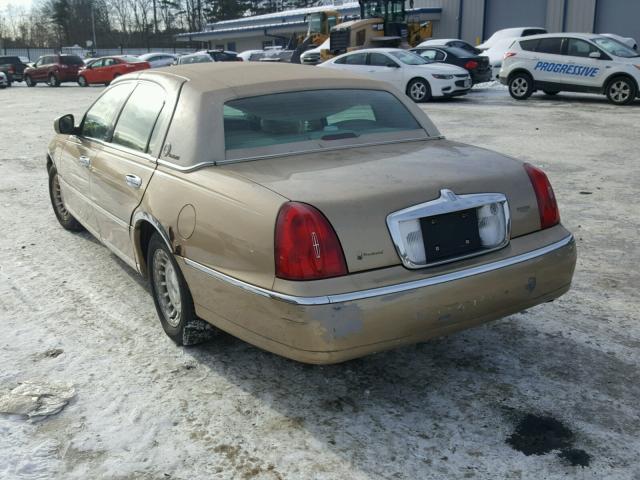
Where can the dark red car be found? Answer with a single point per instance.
(54, 70)
(105, 69)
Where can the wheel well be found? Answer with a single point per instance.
(143, 233)
(618, 75)
(515, 72)
(49, 163)
(418, 78)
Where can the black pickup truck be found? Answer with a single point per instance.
(13, 66)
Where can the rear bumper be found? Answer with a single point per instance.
(67, 76)
(339, 327)
(481, 77)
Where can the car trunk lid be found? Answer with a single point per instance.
(357, 188)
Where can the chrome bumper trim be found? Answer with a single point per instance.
(389, 289)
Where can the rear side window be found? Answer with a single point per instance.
(139, 116)
(71, 60)
(99, 119)
(529, 45)
(533, 31)
(314, 116)
(550, 45)
(355, 59)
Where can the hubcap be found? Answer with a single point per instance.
(519, 86)
(58, 202)
(167, 286)
(620, 91)
(418, 91)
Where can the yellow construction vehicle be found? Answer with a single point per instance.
(319, 25)
(382, 23)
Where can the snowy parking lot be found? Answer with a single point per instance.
(549, 393)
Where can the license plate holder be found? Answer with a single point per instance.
(450, 235)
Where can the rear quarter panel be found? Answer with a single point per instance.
(217, 219)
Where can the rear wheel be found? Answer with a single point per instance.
(29, 81)
(53, 80)
(63, 215)
(521, 86)
(419, 90)
(82, 81)
(621, 91)
(172, 297)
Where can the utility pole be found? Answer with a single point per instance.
(155, 18)
(93, 28)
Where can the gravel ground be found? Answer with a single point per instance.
(548, 393)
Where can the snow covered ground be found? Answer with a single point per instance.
(80, 326)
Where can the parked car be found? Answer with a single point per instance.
(313, 56)
(157, 60)
(13, 66)
(246, 54)
(450, 42)
(510, 33)
(572, 62)
(4, 81)
(200, 57)
(236, 189)
(54, 70)
(477, 65)
(207, 56)
(628, 41)
(419, 79)
(106, 69)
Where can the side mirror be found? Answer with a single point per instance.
(65, 124)
(594, 55)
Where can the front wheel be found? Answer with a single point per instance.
(521, 86)
(419, 90)
(172, 297)
(63, 215)
(29, 81)
(82, 81)
(621, 91)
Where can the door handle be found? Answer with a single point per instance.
(84, 161)
(133, 181)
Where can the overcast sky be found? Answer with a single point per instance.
(24, 3)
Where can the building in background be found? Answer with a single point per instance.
(471, 20)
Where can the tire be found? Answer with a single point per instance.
(9, 84)
(29, 81)
(53, 80)
(419, 90)
(63, 215)
(551, 92)
(172, 297)
(520, 86)
(82, 81)
(621, 90)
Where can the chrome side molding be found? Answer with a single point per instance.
(387, 290)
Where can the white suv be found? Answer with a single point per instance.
(572, 62)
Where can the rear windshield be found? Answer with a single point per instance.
(71, 60)
(4, 60)
(315, 119)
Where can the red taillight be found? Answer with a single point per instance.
(547, 205)
(306, 246)
(471, 65)
(509, 54)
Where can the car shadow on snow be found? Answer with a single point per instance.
(449, 405)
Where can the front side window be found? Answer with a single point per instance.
(613, 47)
(97, 63)
(99, 119)
(318, 118)
(550, 45)
(139, 116)
(579, 48)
